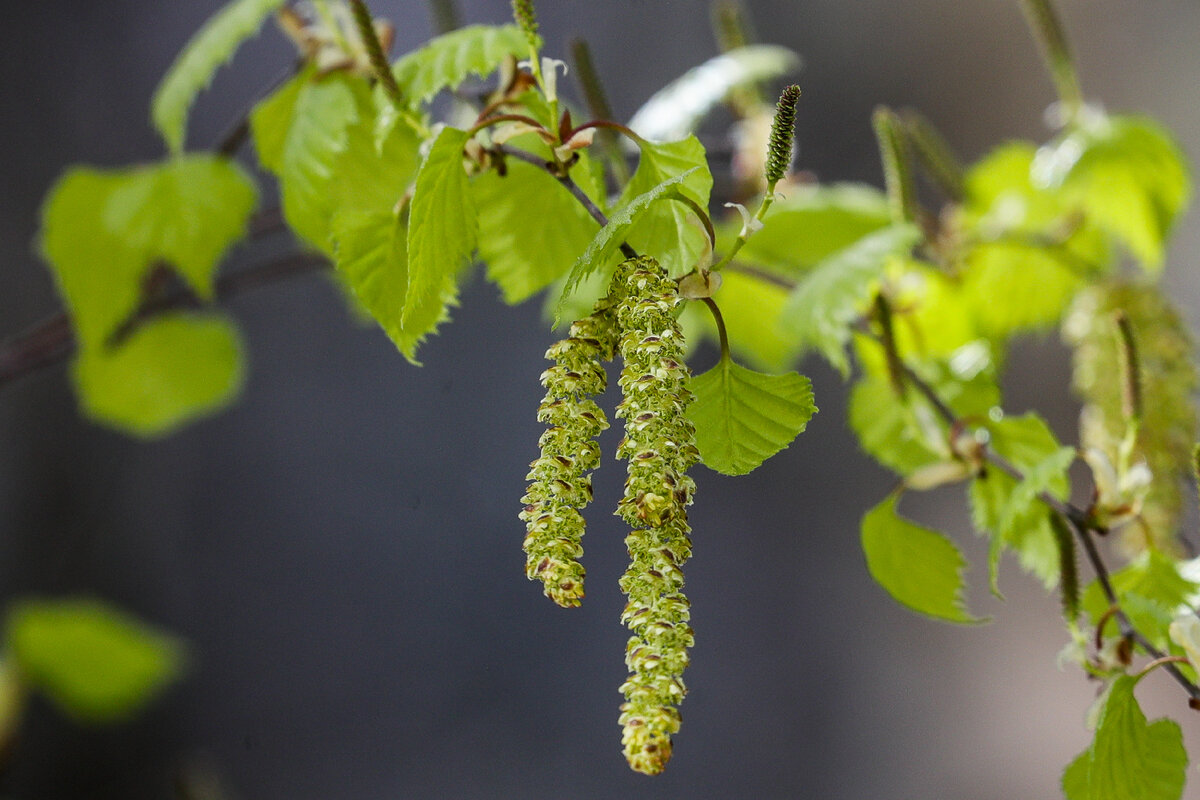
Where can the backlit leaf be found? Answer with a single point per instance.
(670, 231)
(919, 568)
(97, 664)
(168, 371)
(743, 417)
(211, 46)
(448, 60)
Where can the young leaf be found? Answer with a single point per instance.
(271, 120)
(823, 306)
(530, 229)
(442, 229)
(213, 45)
(743, 417)
(608, 240)
(97, 664)
(97, 272)
(669, 231)
(1128, 175)
(185, 212)
(1009, 511)
(1128, 758)
(171, 370)
(674, 111)
(1151, 589)
(918, 567)
(448, 60)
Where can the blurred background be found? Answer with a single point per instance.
(341, 550)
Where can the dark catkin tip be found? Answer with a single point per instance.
(779, 151)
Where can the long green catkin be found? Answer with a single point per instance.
(560, 478)
(660, 446)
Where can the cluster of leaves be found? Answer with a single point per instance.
(919, 304)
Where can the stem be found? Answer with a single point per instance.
(1048, 30)
(1131, 373)
(719, 319)
(935, 155)
(597, 103)
(570, 185)
(446, 16)
(52, 340)
(1078, 521)
(379, 62)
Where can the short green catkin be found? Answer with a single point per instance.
(561, 476)
(783, 134)
(660, 447)
(526, 18)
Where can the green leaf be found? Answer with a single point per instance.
(171, 370)
(97, 664)
(186, 212)
(442, 230)
(675, 110)
(1009, 511)
(1128, 175)
(271, 119)
(1150, 590)
(825, 304)
(1128, 758)
(918, 567)
(213, 45)
(608, 240)
(98, 273)
(813, 222)
(669, 231)
(743, 417)
(530, 229)
(316, 117)
(448, 60)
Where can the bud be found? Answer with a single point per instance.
(779, 151)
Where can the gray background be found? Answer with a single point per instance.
(341, 549)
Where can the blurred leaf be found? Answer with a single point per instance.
(1150, 589)
(531, 230)
(271, 120)
(1009, 511)
(186, 212)
(827, 301)
(813, 222)
(170, 370)
(669, 231)
(743, 417)
(97, 664)
(1128, 759)
(448, 60)
(97, 272)
(919, 568)
(675, 110)
(442, 231)
(608, 240)
(211, 46)
(1128, 175)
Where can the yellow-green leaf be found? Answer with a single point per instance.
(96, 663)
(743, 417)
(170, 370)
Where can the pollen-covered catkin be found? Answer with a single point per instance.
(560, 478)
(660, 447)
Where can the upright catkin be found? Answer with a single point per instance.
(560, 478)
(659, 445)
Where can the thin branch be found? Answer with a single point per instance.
(570, 185)
(52, 340)
(1079, 522)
